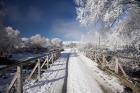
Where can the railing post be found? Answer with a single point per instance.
(52, 58)
(47, 62)
(104, 61)
(19, 79)
(39, 69)
(116, 66)
(121, 68)
(54, 55)
(44, 63)
(96, 60)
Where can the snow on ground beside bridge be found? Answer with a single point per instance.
(52, 80)
(85, 77)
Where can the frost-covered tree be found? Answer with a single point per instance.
(14, 37)
(48, 42)
(9, 39)
(109, 11)
(38, 41)
(25, 42)
(56, 42)
(119, 20)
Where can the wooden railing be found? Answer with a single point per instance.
(17, 80)
(117, 70)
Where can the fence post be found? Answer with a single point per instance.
(52, 58)
(19, 79)
(116, 66)
(44, 63)
(39, 69)
(47, 62)
(95, 57)
(121, 68)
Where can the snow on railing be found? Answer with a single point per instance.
(39, 61)
(114, 67)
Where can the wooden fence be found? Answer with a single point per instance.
(39, 62)
(117, 69)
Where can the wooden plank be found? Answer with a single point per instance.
(12, 83)
(121, 68)
(116, 66)
(33, 71)
(99, 60)
(52, 58)
(44, 62)
(47, 62)
(39, 70)
(19, 79)
(104, 61)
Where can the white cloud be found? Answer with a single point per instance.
(69, 30)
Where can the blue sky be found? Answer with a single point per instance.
(50, 18)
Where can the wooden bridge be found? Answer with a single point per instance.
(38, 64)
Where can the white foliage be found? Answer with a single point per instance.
(38, 41)
(107, 10)
(14, 37)
(120, 19)
(9, 39)
(56, 42)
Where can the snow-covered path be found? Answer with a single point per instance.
(85, 77)
(52, 80)
(80, 79)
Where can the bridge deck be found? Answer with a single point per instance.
(52, 80)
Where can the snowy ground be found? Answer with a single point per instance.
(83, 77)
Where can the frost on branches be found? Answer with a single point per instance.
(9, 40)
(56, 42)
(112, 22)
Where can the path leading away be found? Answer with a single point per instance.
(76, 74)
(84, 76)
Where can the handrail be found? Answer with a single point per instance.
(18, 78)
(25, 62)
(117, 68)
